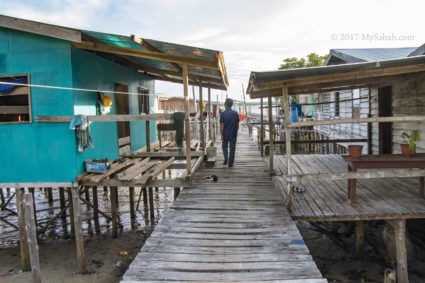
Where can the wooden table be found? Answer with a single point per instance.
(383, 161)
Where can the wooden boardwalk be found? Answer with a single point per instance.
(327, 200)
(233, 230)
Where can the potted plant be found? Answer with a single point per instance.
(409, 149)
(355, 150)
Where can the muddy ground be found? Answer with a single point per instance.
(335, 251)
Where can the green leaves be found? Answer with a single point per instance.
(412, 139)
(313, 59)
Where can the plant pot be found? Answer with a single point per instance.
(355, 150)
(405, 150)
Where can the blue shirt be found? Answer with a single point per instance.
(229, 118)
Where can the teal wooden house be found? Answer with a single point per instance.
(47, 70)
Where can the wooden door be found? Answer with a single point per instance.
(385, 110)
(122, 107)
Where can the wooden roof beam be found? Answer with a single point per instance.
(40, 28)
(146, 54)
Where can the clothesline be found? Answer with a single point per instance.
(71, 88)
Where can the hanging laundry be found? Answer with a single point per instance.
(81, 126)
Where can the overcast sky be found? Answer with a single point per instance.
(254, 35)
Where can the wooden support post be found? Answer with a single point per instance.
(261, 128)
(359, 238)
(2, 197)
(176, 192)
(201, 118)
(151, 203)
(217, 117)
(49, 195)
(286, 109)
(87, 194)
(95, 209)
(271, 130)
(132, 212)
(79, 241)
(62, 202)
(186, 119)
(32, 237)
(71, 211)
(148, 131)
(210, 133)
(23, 237)
(401, 253)
(145, 196)
(32, 191)
(114, 211)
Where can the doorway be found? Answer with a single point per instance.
(385, 129)
(122, 108)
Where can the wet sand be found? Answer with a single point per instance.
(58, 260)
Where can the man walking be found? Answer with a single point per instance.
(229, 126)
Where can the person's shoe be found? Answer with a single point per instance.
(230, 166)
(225, 162)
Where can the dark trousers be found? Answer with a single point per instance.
(229, 156)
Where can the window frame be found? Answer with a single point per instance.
(30, 120)
(143, 94)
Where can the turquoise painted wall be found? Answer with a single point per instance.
(93, 72)
(38, 151)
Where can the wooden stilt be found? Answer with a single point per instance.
(186, 120)
(2, 197)
(50, 195)
(32, 191)
(132, 212)
(271, 130)
(359, 238)
(79, 241)
(261, 128)
(95, 209)
(201, 118)
(87, 194)
(23, 237)
(114, 211)
(334, 226)
(210, 135)
(62, 202)
(286, 109)
(145, 196)
(151, 204)
(401, 253)
(71, 211)
(176, 192)
(31, 231)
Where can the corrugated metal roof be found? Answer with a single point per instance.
(300, 73)
(203, 64)
(368, 54)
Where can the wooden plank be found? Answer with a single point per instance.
(14, 110)
(271, 139)
(23, 237)
(107, 118)
(384, 173)
(31, 231)
(40, 28)
(358, 120)
(186, 120)
(79, 240)
(163, 154)
(401, 253)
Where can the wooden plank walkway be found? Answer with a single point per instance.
(233, 230)
(327, 200)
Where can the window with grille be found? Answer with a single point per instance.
(356, 103)
(143, 101)
(336, 104)
(15, 99)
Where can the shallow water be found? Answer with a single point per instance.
(60, 228)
